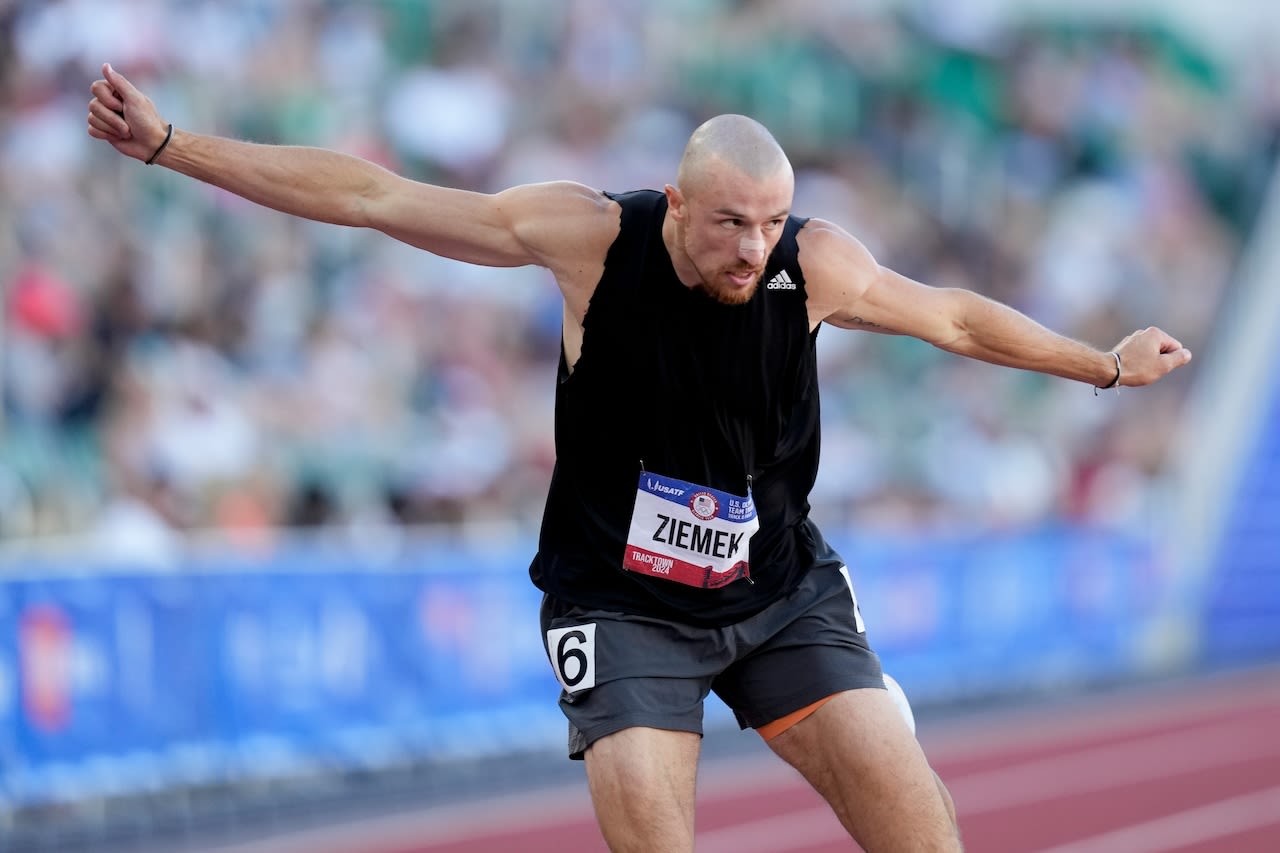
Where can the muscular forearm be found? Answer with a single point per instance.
(524, 225)
(329, 186)
(996, 333)
(314, 183)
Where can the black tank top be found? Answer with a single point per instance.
(673, 380)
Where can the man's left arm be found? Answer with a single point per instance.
(848, 288)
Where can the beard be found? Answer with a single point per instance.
(721, 289)
(716, 283)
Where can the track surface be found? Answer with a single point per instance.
(1192, 767)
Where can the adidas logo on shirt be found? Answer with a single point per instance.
(781, 281)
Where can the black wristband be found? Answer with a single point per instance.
(1114, 383)
(168, 135)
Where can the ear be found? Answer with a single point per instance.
(675, 202)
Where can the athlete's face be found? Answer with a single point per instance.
(726, 226)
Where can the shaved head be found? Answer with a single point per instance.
(730, 209)
(734, 140)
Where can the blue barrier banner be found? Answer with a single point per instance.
(114, 683)
(961, 617)
(234, 668)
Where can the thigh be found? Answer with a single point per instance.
(859, 754)
(815, 647)
(642, 783)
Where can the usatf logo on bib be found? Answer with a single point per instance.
(688, 533)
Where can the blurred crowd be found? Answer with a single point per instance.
(175, 359)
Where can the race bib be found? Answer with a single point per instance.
(690, 534)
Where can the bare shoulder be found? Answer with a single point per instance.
(568, 227)
(837, 268)
(562, 223)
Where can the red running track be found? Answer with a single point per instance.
(1191, 768)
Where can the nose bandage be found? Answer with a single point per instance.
(748, 246)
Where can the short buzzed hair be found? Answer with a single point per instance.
(737, 140)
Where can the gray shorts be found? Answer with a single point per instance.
(617, 671)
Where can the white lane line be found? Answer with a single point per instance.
(1093, 770)
(1182, 829)
(977, 735)
(542, 809)
(1115, 715)
(1102, 768)
(787, 831)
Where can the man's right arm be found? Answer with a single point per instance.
(544, 224)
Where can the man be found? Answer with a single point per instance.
(676, 552)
